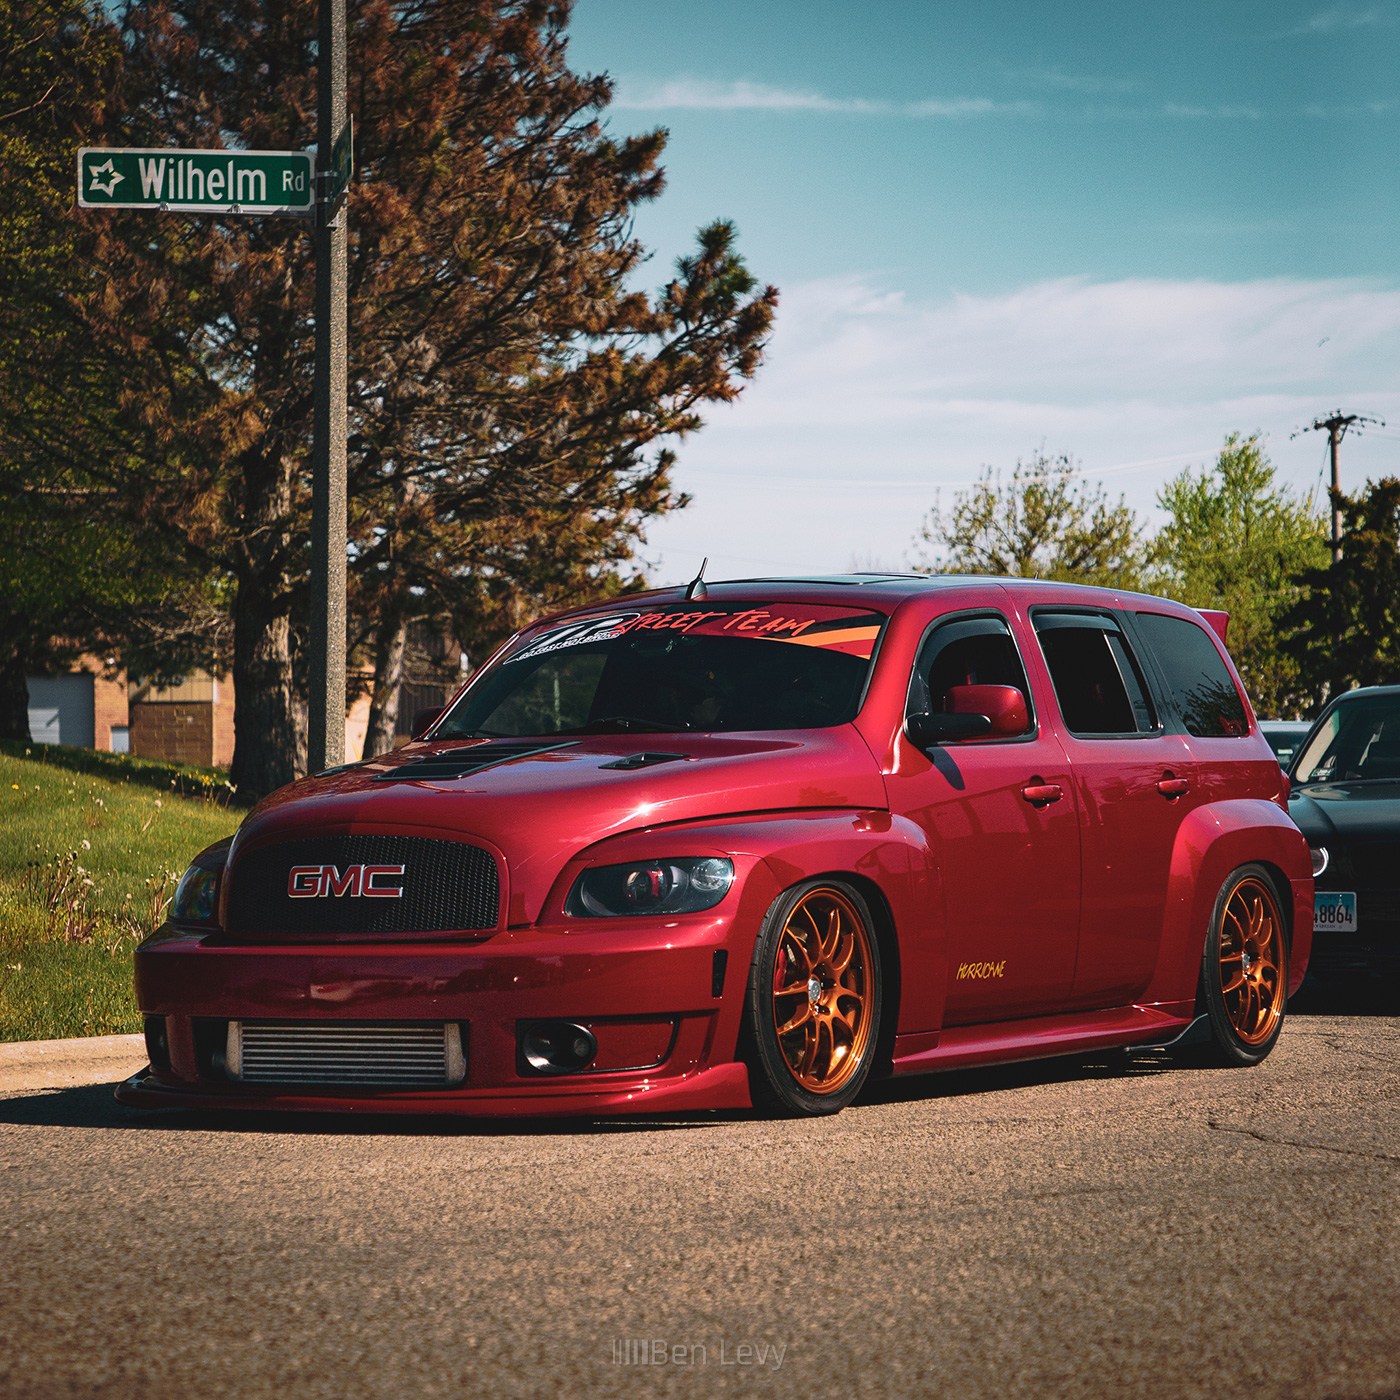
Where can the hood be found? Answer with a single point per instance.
(1347, 811)
(540, 802)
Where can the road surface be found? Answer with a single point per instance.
(1115, 1226)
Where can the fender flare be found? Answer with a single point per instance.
(1211, 841)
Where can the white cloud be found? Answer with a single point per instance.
(1340, 17)
(870, 401)
(708, 95)
(1176, 109)
(727, 97)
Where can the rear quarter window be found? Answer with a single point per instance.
(1196, 676)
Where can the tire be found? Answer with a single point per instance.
(813, 1002)
(1244, 970)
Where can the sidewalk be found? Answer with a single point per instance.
(56, 1064)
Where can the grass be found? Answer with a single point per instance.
(89, 857)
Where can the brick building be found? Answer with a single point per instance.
(94, 706)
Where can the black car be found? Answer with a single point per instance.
(1285, 737)
(1345, 797)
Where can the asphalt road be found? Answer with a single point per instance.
(1108, 1227)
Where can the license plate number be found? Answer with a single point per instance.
(1334, 911)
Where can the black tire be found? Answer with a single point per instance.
(820, 1064)
(1244, 970)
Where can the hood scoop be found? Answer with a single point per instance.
(643, 760)
(461, 763)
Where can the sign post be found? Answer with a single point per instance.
(326, 708)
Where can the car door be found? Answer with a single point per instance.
(1001, 819)
(1133, 781)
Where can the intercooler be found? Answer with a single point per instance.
(400, 1055)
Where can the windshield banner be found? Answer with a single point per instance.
(842, 630)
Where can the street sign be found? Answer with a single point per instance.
(342, 168)
(197, 182)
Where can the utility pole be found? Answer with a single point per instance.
(326, 718)
(1337, 424)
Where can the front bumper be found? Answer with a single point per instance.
(611, 973)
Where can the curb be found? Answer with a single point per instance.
(58, 1064)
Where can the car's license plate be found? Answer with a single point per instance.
(1334, 910)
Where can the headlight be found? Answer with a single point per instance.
(1320, 859)
(196, 895)
(683, 886)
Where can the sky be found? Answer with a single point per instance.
(1114, 230)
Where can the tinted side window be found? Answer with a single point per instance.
(975, 651)
(1200, 682)
(1096, 679)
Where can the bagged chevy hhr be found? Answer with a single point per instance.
(744, 847)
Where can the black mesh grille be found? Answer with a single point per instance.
(447, 886)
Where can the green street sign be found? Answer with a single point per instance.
(197, 182)
(342, 168)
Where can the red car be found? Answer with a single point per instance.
(747, 846)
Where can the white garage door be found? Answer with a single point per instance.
(60, 709)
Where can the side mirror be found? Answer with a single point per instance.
(927, 731)
(423, 720)
(1004, 706)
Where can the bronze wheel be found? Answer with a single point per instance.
(821, 990)
(1252, 960)
(1244, 973)
(814, 998)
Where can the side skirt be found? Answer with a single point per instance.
(1039, 1037)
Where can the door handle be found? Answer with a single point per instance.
(1042, 794)
(1173, 787)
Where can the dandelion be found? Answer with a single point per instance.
(15, 786)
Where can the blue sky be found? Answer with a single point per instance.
(1114, 230)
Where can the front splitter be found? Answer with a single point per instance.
(720, 1087)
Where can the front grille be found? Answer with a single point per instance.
(447, 886)
(425, 1054)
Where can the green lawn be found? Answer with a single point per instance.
(87, 863)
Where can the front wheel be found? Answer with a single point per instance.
(812, 1013)
(1244, 970)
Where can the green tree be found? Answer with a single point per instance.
(71, 577)
(1047, 522)
(1238, 541)
(510, 388)
(1344, 629)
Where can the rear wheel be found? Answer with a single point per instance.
(812, 1016)
(1244, 970)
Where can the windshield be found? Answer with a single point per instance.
(1358, 741)
(696, 666)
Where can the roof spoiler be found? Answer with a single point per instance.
(1219, 621)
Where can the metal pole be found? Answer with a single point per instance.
(326, 737)
(1335, 438)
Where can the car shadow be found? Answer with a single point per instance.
(93, 1106)
(1023, 1074)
